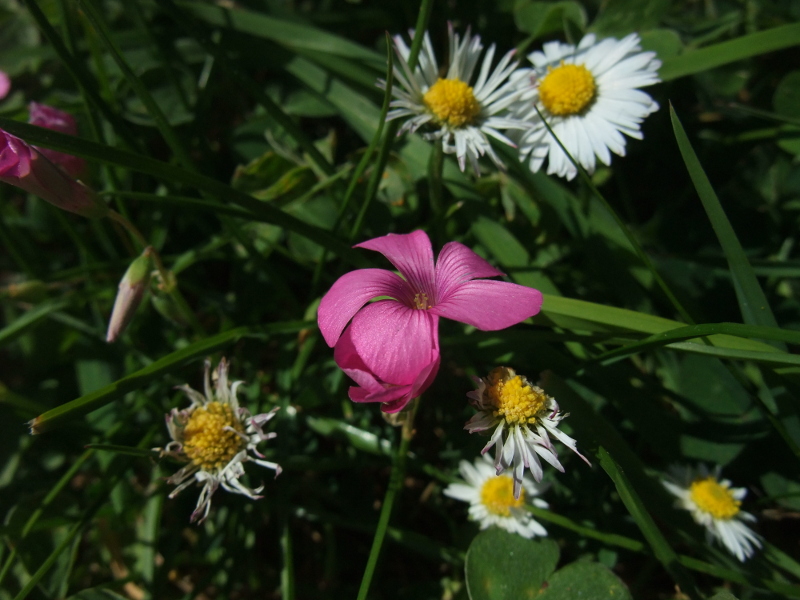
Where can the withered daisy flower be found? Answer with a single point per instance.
(215, 436)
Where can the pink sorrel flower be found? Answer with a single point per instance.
(48, 117)
(24, 166)
(391, 347)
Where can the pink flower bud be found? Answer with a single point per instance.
(5, 84)
(48, 117)
(130, 294)
(24, 166)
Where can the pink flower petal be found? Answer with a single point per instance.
(412, 254)
(458, 264)
(395, 342)
(490, 305)
(5, 84)
(350, 292)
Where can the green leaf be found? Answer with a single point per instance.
(786, 101)
(584, 580)
(666, 43)
(752, 301)
(723, 596)
(358, 438)
(620, 17)
(505, 566)
(730, 51)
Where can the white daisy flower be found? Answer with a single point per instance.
(715, 505)
(491, 501)
(523, 417)
(462, 112)
(214, 436)
(589, 96)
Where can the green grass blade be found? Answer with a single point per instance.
(138, 86)
(752, 301)
(290, 34)
(698, 331)
(171, 362)
(29, 319)
(723, 53)
(85, 82)
(223, 192)
(661, 548)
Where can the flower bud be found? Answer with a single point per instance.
(5, 84)
(131, 290)
(24, 166)
(48, 117)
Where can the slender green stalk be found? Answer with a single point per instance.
(395, 485)
(362, 164)
(621, 224)
(391, 132)
(287, 572)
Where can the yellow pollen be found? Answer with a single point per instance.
(421, 301)
(452, 102)
(206, 441)
(567, 89)
(516, 400)
(713, 498)
(497, 495)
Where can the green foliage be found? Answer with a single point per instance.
(244, 142)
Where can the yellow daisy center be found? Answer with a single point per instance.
(206, 441)
(497, 495)
(713, 498)
(567, 89)
(516, 400)
(452, 102)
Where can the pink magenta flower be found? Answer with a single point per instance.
(391, 347)
(24, 166)
(48, 117)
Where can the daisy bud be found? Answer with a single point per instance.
(24, 166)
(129, 296)
(48, 117)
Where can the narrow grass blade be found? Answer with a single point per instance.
(29, 319)
(290, 34)
(661, 548)
(223, 192)
(80, 75)
(752, 301)
(171, 362)
(723, 53)
(698, 331)
(129, 450)
(138, 86)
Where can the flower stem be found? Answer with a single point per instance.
(435, 168)
(395, 484)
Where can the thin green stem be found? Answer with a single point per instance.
(395, 485)
(435, 187)
(621, 224)
(391, 132)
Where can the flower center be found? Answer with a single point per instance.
(206, 441)
(421, 301)
(713, 498)
(497, 495)
(452, 102)
(567, 89)
(516, 400)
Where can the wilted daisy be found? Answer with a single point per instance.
(523, 417)
(715, 505)
(457, 109)
(492, 501)
(589, 96)
(214, 436)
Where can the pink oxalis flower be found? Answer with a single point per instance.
(54, 119)
(391, 347)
